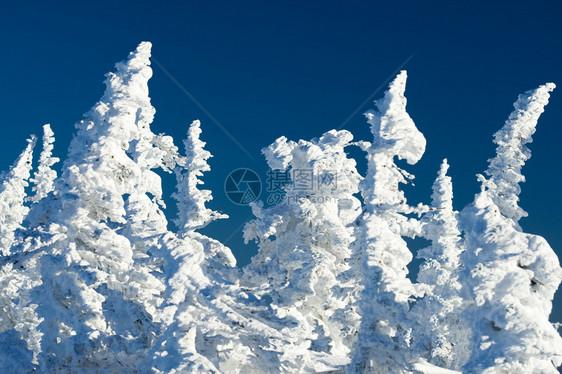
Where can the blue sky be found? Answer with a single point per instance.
(293, 68)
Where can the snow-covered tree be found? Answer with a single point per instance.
(383, 342)
(44, 177)
(93, 295)
(92, 279)
(504, 170)
(18, 274)
(212, 325)
(305, 248)
(146, 222)
(192, 213)
(513, 275)
(12, 197)
(440, 328)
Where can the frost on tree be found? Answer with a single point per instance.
(92, 294)
(384, 335)
(211, 325)
(92, 279)
(504, 171)
(304, 249)
(513, 275)
(192, 213)
(18, 343)
(440, 329)
(12, 197)
(44, 178)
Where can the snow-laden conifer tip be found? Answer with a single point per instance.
(444, 167)
(192, 212)
(442, 196)
(504, 170)
(47, 131)
(131, 76)
(144, 47)
(141, 54)
(394, 131)
(44, 176)
(12, 196)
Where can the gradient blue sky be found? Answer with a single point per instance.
(295, 68)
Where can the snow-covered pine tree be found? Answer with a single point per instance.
(304, 249)
(12, 197)
(18, 343)
(95, 282)
(441, 329)
(146, 222)
(44, 177)
(504, 170)
(192, 213)
(383, 344)
(95, 306)
(211, 324)
(513, 275)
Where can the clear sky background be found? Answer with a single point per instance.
(264, 69)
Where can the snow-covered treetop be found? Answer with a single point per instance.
(442, 196)
(384, 328)
(393, 130)
(332, 176)
(192, 212)
(318, 156)
(440, 223)
(440, 273)
(21, 167)
(278, 155)
(124, 103)
(12, 195)
(108, 156)
(131, 76)
(504, 170)
(45, 176)
(394, 134)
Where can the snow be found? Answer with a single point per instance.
(191, 201)
(441, 327)
(383, 342)
(93, 278)
(45, 176)
(12, 197)
(424, 367)
(505, 169)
